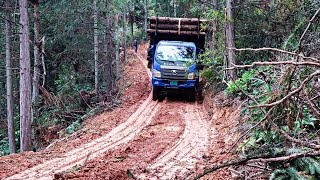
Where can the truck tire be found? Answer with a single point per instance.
(192, 95)
(155, 93)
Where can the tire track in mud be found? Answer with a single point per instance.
(121, 134)
(181, 159)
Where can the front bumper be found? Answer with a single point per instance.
(182, 84)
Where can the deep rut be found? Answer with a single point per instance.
(121, 134)
(180, 160)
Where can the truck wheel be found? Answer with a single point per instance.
(155, 93)
(192, 95)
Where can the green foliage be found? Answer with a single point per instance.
(73, 127)
(4, 144)
(4, 147)
(300, 169)
(241, 83)
(291, 44)
(289, 173)
(213, 73)
(185, 8)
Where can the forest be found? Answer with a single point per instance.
(63, 61)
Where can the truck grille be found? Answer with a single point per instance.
(177, 74)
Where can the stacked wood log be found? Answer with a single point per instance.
(176, 26)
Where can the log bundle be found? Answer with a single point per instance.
(176, 26)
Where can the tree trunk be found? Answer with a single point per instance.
(131, 19)
(169, 20)
(174, 8)
(25, 79)
(124, 32)
(214, 27)
(230, 40)
(131, 26)
(96, 47)
(176, 27)
(117, 46)
(36, 69)
(145, 18)
(10, 122)
(36, 52)
(107, 62)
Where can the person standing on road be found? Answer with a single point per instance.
(135, 44)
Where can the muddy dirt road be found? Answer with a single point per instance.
(180, 160)
(157, 140)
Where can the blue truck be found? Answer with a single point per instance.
(172, 56)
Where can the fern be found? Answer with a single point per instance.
(278, 174)
(317, 167)
(294, 175)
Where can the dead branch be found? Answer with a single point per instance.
(232, 162)
(288, 158)
(307, 28)
(254, 64)
(249, 130)
(298, 141)
(276, 50)
(304, 82)
(311, 106)
(264, 158)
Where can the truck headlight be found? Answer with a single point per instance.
(156, 73)
(191, 75)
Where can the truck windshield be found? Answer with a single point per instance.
(175, 53)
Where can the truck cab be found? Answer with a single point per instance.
(174, 68)
(172, 55)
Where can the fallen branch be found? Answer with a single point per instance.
(288, 158)
(307, 28)
(254, 64)
(311, 106)
(311, 76)
(231, 163)
(298, 141)
(249, 130)
(276, 50)
(260, 158)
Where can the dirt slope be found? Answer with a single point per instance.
(143, 139)
(136, 87)
(77, 157)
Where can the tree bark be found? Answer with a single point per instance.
(182, 27)
(131, 19)
(124, 33)
(96, 47)
(10, 122)
(145, 18)
(117, 46)
(214, 27)
(36, 51)
(36, 69)
(176, 32)
(170, 20)
(174, 8)
(25, 79)
(107, 63)
(230, 40)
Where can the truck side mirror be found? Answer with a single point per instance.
(199, 51)
(199, 66)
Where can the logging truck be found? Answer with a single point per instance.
(172, 55)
